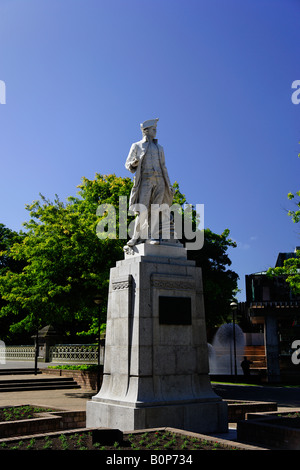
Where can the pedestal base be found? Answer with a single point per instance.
(156, 354)
(201, 417)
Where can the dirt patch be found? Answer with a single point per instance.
(158, 440)
(16, 413)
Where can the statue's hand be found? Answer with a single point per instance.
(135, 163)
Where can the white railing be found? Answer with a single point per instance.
(22, 353)
(60, 353)
(82, 353)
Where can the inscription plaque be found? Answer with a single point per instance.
(175, 310)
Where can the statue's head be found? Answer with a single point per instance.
(149, 128)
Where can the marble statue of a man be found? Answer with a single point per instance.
(151, 183)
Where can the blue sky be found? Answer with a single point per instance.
(81, 75)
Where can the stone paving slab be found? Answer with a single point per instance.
(67, 399)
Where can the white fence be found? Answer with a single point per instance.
(82, 353)
(60, 353)
(21, 353)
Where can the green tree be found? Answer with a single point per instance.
(7, 239)
(65, 264)
(290, 271)
(296, 213)
(219, 282)
(291, 267)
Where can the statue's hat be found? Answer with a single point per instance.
(149, 123)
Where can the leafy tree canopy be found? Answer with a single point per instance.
(291, 267)
(7, 239)
(219, 282)
(296, 213)
(66, 264)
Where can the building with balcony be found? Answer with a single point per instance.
(274, 309)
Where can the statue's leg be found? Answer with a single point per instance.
(156, 209)
(141, 221)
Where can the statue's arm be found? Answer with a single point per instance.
(132, 159)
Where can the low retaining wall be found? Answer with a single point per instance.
(224, 443)
(46, 422)
(238, 409)
(271, 431)
(87, 380)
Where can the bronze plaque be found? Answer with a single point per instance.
(175, 310)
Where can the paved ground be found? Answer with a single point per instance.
(62, 399)
(68, 399)
(75, 399)
(284, 396)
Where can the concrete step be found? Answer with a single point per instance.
(260, 348)
(36, 380)
(27, 371)
(23, 388)
(14, 385)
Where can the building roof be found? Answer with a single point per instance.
(282, 257)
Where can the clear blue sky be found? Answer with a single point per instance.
(81, 75)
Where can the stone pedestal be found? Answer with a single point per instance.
(156, 358)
